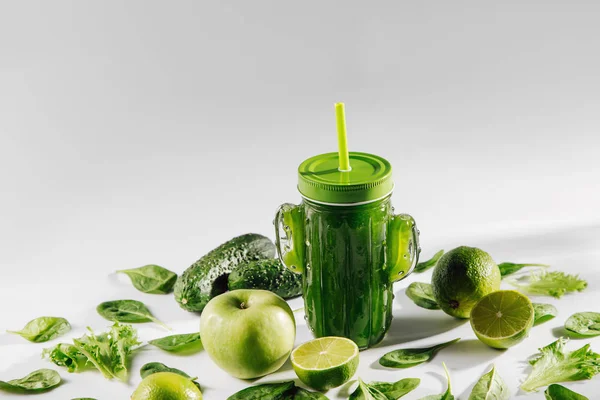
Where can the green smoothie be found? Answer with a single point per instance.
(348, 245)
(346, 290)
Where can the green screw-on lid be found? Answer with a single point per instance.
(320, 179)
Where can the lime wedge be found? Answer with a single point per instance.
(502, 319)
(326, 362)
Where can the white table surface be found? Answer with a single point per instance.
(150, 132)
(569, 249)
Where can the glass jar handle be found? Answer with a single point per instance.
(402, 246)
(289, 236)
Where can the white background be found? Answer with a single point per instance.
(146, 132)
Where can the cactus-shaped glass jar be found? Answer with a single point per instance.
(348, 244)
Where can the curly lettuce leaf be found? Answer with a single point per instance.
(108, 352)
(554, 364)
(555, 283)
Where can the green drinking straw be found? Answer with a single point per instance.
(342, 139)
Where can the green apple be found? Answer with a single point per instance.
(248, 333)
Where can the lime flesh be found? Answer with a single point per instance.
(326, 362)
(503, 318)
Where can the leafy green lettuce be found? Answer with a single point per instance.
(555, 283)
(553, 364)
(108, 352)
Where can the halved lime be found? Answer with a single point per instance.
(326, 362)
(503, 318)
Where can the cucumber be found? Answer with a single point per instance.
(267, 275)
(207, 277)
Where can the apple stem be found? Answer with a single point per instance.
(243, 305)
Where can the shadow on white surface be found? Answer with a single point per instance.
(478, 353)
(347, 388)
(413, 323)
(442, 379)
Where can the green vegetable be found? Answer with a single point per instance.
(269, 274)
(127, 311)
(43, 329)
(422, 295)
(490, 387)
(151, 279)
(390, 391)
(507, 268)
(207, 277)
(406, 358)
(108, 352)
(583, 324)
(543, 313)
(36, 382)
(447, 395)
(299, 393)
(184, 343)
(277, 391)
(154, 367)
(68, 356)
(366, 392)
(558, 392)
(553, 364)
(554, 283)
(425, 265)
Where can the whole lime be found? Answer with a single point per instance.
(166, 386)
(462, 277)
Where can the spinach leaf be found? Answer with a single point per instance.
(394, 391)
(299, 393)
(154, 367)
(543, 313)
(184, 343)
(583, 324)
(108, 352)
(127, 311)
(507, 268)
(422, 295)
(151, 279)
(36, 382)
(447, 395)
(425, 265)
(266, 391)
(559, 392)
(366, 392)
(490, 386)
(43, 329)
(406, 358)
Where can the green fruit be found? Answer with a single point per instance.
(503, 318)
(326, 362)
(268, 275)
(207, 277)
(462, 277)
(248, 333)
(166, 386)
